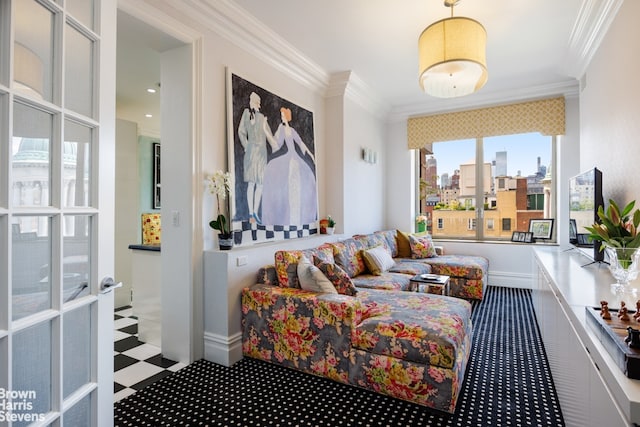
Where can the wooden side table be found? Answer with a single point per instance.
(430, 284)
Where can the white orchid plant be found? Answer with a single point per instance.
(221, 185)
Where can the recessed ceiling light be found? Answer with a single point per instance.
(151, 90)
(148, 115)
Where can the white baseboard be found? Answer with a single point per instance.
(222, 349)
(509, 279)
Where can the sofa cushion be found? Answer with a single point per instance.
(385, 281)
(466, 266)
(422, 247)
(377, 259)
(390, 238)
(410, 266)
(267, 275)
(421, 328)
(312, 279)
(372, 240)
(340, 279)
(347, 255)
(402, 240)
(286, 263)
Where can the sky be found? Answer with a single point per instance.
(522, 153)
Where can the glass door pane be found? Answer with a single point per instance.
(76, 254)
(31, 370)
(82, 10)
(78, 72)
(31, 273)
(77, 164)
(31, 156)
(77, 349)
(33, 49)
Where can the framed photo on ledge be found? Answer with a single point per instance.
(528, 237)
(541, 228)
(515, 237)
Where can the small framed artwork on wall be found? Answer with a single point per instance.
(155, 191)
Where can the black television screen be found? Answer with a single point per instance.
(573, 231)
(585, 195)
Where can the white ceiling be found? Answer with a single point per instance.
(534, 48)
(527, 40)
(137, 69)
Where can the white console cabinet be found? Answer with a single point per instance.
(592, 389)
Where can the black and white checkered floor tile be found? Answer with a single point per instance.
(136, 364)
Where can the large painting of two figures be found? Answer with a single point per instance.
(272, 158)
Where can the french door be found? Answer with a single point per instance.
(57, 95)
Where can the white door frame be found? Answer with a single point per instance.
(182, 282)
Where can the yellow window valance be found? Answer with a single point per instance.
(545, 116)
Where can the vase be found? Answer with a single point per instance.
(623, 264)
(331, 230)
(225, 241)
(421, 227)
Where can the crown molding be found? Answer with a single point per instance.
(593, 22)
(156, 18)
(241, 28)
(568, 88)
(352, 87)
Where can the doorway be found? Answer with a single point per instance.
(142, 52)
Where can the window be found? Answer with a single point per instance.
(488, 180)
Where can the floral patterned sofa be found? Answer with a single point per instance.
(411, 346)
(468, 273)
(368, 333)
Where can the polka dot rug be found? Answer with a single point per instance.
(508, 383)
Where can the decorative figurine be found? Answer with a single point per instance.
(604, 313)
(623, 308)
(623, 314)
(636, 315)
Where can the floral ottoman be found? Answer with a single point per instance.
(410, 346)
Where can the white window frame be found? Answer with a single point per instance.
(479, 196)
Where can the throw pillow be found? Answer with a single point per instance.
(422, 247)
(323, 284)
(347, 255)
(340, 279)
(404, 248)
(304, 275)
(378, 260)
(310, 280)
(286, 263)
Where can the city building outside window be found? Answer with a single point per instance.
(514, 172)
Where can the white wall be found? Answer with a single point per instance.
(609, 108)
(127, 218)
(364, 183)
(400, 207)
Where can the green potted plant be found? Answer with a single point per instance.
(331, 225)
(618, 232)
(220, 184)
(421, 223)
